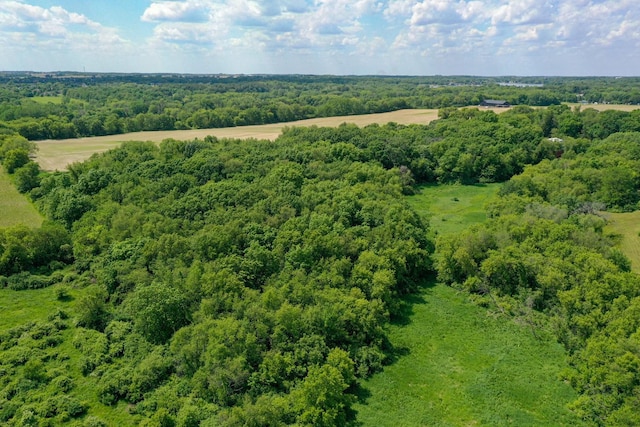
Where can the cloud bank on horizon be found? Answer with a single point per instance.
(477, 37)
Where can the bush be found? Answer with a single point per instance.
(15, 159)
(63, 383)
(92, 309)
(92, 421)
(22, 281)
(27, 177)
(62, 293)
(34, 370)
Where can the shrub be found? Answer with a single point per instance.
(15, 159)
(92, 421)
(62, 293)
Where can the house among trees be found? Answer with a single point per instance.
(494, 103)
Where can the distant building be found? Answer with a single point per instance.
(494, 103)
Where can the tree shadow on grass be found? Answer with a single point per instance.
(404, 313)
(401, 318)
(361, 394)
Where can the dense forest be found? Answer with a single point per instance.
(231, 282)
(58, 106)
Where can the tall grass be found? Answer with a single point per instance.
(452, 208)
(15, 208)
(626, 227)
(455, 363)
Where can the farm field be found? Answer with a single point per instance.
(603, 107)
(627, 226)
(58, 154)
(14, 207)
(449, 373)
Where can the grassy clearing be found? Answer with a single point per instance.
(627, 226)
(14, 207)
(19, 307)
(458, 365)
(452, 208)
(46, 99)
(463, 367)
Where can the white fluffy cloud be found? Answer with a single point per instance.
(176, 11)
(417, 36)
(32, 27)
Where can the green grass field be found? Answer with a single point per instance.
(14, 207)
(463, 367)
(452, 208)
(627, 226)
(457, 364)
(46, 99)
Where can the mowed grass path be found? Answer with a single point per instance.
(14, 207)
(459, 365)
(627, 226)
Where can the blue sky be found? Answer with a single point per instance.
(477, 37)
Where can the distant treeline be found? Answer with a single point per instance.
(67, 105)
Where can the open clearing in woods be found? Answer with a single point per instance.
(457, 364)
(15, 208)
(627, 226)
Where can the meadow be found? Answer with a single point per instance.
(461, 366)
(458, 364)
(452, 208)
(35, 307)
(626, 227)
(15, 208)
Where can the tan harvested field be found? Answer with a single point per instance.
(627, 226)
(602, 107)
(58, 154)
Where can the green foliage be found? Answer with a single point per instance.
(23, 249)
(244, 272)
(221, 282)
(110, 104)
(604, 173)
(561, 267)
(27, 177)
(158, 310)
(92, 309)
(15, 159)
